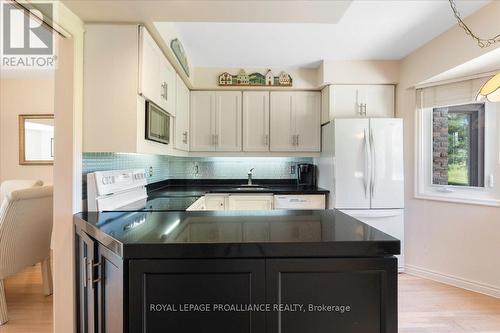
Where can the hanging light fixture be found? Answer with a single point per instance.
(490, 90)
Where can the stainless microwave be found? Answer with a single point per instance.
(157, 124)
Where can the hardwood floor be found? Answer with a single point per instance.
(424, 307)
(29, 310)
(429, 307)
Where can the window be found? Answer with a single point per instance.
(457, 145)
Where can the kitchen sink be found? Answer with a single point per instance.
(250, 188)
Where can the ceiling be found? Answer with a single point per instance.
(367, 30)
(145, 11)
(286, 33)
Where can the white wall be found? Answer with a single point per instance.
(454, 243)
(358, 72)
(22, 96)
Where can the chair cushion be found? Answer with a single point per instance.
(16, 184)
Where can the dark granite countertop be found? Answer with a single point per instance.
(200, 187)
(236, 234)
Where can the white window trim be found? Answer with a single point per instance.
(425, 189)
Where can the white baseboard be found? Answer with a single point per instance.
(453, 281)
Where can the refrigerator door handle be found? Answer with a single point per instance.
(373, 164)
(367, 171)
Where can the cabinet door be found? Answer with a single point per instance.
(109, 284)
(168, 76)
(255, 121)
(202, 121)
(150, 83)
(387, 186)
(282, 122)
(307, 121)
(215, 202)
(379, 100)
(250, 202)
(182, 116)
(345, 101)
(228, 120)
(353, 163)
(367, 286)
(325, 105)
(86, 296)
(210, 282)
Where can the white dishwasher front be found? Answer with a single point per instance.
(301, 201)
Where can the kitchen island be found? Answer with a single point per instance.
(272, 271)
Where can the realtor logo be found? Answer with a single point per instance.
(26, 42)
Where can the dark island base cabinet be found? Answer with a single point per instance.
(100, 290)
(146, 295)
(179, 283)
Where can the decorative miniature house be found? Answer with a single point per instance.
(269, 78)
(225, 79)
(255, 79)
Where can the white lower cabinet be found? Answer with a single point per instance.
(251, 202)
(215, 201)
(258, 202)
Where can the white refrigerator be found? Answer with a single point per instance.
(361, 163)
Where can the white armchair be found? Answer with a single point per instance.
(25, 231)
(16, 184)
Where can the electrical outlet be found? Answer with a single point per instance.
(151, 172)
(292, 169)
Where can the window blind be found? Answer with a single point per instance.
(461, 92)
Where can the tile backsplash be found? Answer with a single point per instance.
(171, 167)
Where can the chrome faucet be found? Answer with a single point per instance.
(250, 176)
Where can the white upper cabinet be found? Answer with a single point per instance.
(282, 122)
(182, 116)
(216, 119)
(156, 75)
(378, 101)
(168, 76)
(307, 121)
(255, 121)
(352, 101)
(202, 121)
(295, 121)
(228, 121)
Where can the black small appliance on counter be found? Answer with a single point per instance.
(306, 174)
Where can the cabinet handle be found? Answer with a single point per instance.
(92, 267)
(360, 109)
(217, 139)
(85, 276)
(364, 107)
(166, 91)
(266, 140)
(163, 90)
(185, 137)
(297, 139)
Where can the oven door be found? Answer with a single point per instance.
(157, 124)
